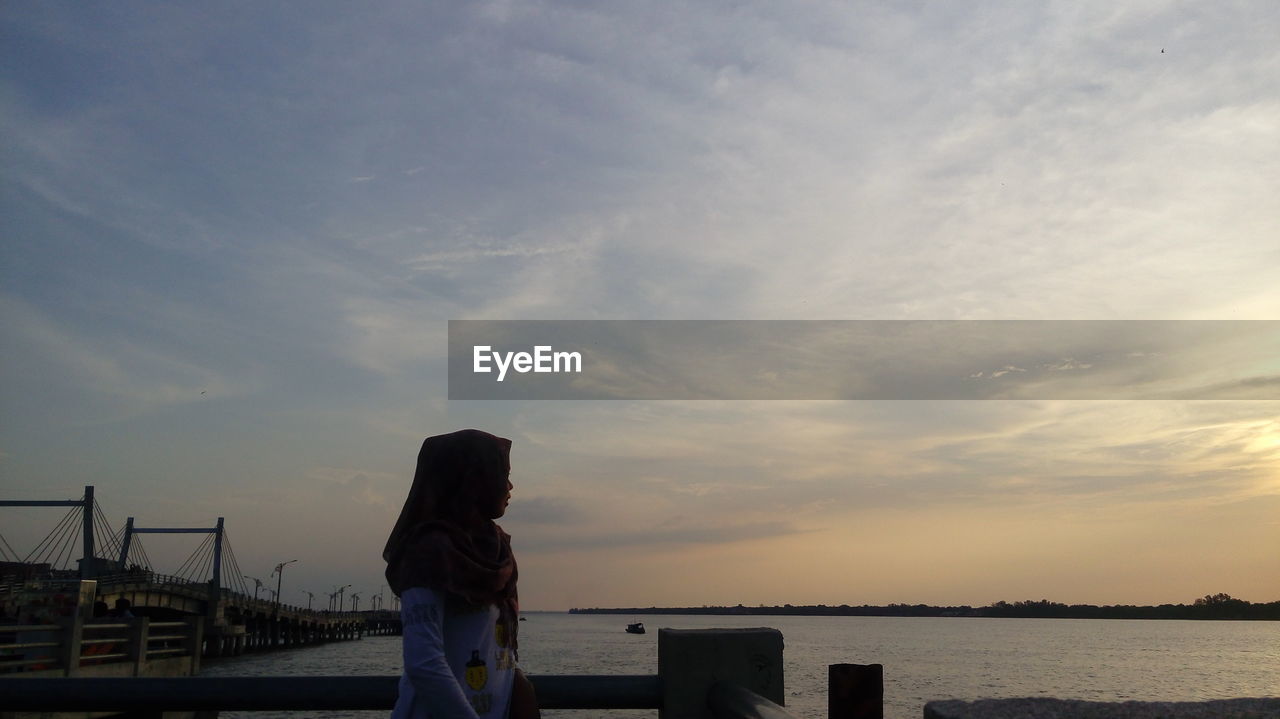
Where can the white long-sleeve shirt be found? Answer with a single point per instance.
(456, 663)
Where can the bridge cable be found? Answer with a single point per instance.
(195, 561)
(117, 541)
(102, 542)
(68, 546)
(59, 547)
(236, 579)
(179, 571)
(186, 571)
(101, 516)
(235, 575)
(206, 573)
(112, 539)
(142, 552)
(7, 549)
(68, 543)
(41, 546)
(203, 570)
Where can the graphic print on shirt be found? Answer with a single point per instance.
(477, 672)
(502, 656)
(477, 676)
(419, 615)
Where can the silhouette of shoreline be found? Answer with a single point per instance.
(1217, 606)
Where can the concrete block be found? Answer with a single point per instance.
(691, 660)
(1041, 708)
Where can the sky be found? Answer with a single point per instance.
(232, 236)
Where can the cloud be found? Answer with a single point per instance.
(750, 165)
(447, 259)
(354, 486)
(91, 376)
(658, 537)
(387, 337)
(1068, 364)
(545, 510)
(813, 461)
(1005, 370)
(1249, 388)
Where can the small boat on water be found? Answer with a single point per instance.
(635, 628)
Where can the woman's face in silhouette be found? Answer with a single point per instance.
(493, 495)
(492, 491)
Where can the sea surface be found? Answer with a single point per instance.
(924, 658)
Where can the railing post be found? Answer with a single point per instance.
(69, 652)
(855, 691)
(139, 630)
(195, 642)
(690, 661)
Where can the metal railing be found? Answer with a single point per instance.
(73, 646)
(188, 587)
(148, 577)
(297, 693)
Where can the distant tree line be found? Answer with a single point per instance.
(1212, 606)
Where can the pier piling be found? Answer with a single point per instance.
(855, 691)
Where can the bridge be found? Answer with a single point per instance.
(208, 585)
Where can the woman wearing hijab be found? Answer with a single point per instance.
(454, 572)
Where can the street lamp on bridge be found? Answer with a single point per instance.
(335, 599)
(257, 586)
(279, 572)
(310, 596)
(355, 601)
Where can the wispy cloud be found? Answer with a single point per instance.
(379, 489)
(656, 538)
(446, 259)
(89, 377)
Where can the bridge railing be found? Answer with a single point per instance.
(74, 647)
(19, 585)
(70, 586)
(148, 577)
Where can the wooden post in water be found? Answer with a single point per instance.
(855, 691)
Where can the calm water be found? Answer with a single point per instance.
(923, 658)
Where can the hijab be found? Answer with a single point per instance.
(439, 541)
